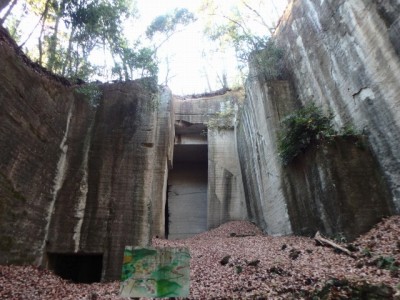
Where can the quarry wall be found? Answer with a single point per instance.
(225, 198)
(79, 178)
(343, 56)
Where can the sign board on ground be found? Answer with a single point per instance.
(155, 272)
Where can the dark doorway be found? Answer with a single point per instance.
(79, 268)
(187, 192)
(166, 212)
(188, 181)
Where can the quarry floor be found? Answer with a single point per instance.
(236, 261)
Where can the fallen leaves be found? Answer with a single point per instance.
(258, 266)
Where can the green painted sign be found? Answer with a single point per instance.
(155, 272)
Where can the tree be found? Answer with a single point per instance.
(72, 30)
(242, 26)
(168, 24)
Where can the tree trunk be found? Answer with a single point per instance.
(54, 39)
(8, 11)
(3, 4)
(40, 39)
(68, 57)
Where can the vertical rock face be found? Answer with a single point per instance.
(265, 105)
(225, 187)
(33, 117)
(341, 55)
(337, 188)
(77, 179)
(163, 155)
(105, 201)
(344, 55)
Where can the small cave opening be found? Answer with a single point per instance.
(79, 268)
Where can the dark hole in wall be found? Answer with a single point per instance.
(166, 211)
(79, 268)
(187, 191)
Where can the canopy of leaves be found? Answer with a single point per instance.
(168, 23)
(245, 26)
(72, 30)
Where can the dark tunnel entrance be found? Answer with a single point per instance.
(186, 206)
(79, 268)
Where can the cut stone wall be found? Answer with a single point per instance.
(225, 187)
(76, 178)
(266, 104)
(340, 55)
(105, 199)
(34, 111)
(225, 198)
(337, 188)
(344, 55)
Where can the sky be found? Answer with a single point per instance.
(189, 70)
(184, 49)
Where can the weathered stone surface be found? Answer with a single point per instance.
(266, 104)
(336, 187)
(224, 199)
(225, 186)
(33, 113)
(163, 155)
(77, 179)
(105, 200)
(342, 55)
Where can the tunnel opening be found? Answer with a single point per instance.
(166, 214)
(186, 205)
(79, 268)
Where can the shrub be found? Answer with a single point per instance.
(224, 119)
(302, 128)
(269, 63)
(92, 92)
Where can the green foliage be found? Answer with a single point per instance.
(71, 31)
(135, 61)
(92, 93)
(335, 288)
(387, 262)
(13, 28)
(242, 31)
(340, 238)
(244, 42)
(168, 23)
(222, 120)
(366, 252)
(301, 129)
(348, 130)
(269, 62)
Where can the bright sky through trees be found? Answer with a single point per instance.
(194, 63)
(189, 61)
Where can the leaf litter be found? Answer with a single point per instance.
(254, 266)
